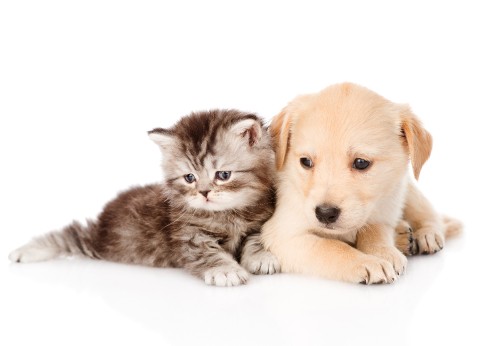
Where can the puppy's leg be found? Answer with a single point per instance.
(332, 259)
(378, 240)
(256, 259)
(427, 225)
(404, 239)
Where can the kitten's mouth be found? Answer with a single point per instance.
(207, 204)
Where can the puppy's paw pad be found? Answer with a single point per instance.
(262, 262)
(227, 275)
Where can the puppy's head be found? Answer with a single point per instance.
(343, 155)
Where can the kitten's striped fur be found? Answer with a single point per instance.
(174, 224)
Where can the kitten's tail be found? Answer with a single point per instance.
(73, 239)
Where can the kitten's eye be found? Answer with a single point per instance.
(190, 178)
(306, 162)
(361, 164)
(222, 175)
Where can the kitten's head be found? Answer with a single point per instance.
(216, 160)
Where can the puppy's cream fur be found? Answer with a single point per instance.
(333, 128)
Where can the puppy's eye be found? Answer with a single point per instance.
(190, 178)
(222, 175)
(306, 162)
(361, 164)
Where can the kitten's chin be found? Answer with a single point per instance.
(209, 205)
(223, 201)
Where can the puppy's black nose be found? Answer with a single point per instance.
(327, 213)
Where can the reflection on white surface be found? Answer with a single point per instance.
(81, 82)
(88, 301)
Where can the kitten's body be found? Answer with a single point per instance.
(203, 225)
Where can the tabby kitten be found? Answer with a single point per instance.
(217, 193)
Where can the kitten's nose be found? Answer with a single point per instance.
(205, 193)
(327, 213)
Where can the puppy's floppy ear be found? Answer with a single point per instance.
(419, 141)
(249, 128)
(280, 133)
(163, 137)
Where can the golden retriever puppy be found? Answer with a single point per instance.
(344, 185)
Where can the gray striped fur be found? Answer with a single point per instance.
(171, 224)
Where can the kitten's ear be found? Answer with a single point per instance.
(163, 137)
(418, 140)
(250, 128)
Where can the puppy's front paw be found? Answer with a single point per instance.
(404, 239)
(371, 270)
(226, 275)
(262, 262)
(393, 256)
(428, 240)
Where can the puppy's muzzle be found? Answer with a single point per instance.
(327, 213)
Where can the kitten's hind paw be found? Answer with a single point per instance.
(226, 275)
(262, 262)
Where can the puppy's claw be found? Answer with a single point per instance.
(394, 257)
(372, 270)
(428, 241)
(404, 239)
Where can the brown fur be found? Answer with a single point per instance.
(198, 225)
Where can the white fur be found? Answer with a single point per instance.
(163, 140)
(217, 201)
(262, 262)
(248, 124)
(32, 252)
(227, 275)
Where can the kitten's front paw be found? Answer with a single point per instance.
(262, 262)
(226, 275)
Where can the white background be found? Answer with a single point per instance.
(82, 82)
